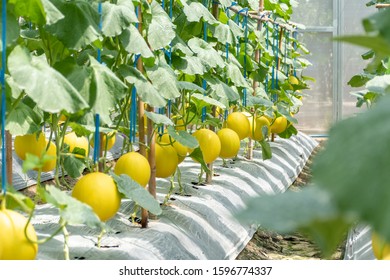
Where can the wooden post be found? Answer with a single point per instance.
(8, 141)
(141, 121)
(209, 175)
(255, 83)
(382, 6)
(152, 158)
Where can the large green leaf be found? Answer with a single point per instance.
(207, 100)
(376, 43)
(23, 120)
(134, 191)
(183, 137)
(117, 17)
(189, 64)
(164, 79)
(206, 52)
(161, 30)
(145, 90)
(72, 211)
(106, 90)
(73, 166)
(32, 9)
(234, 73)
(79, 26)
(379, 22)
(221, 89)
(158, 118)
(195, 11)
(354, 166)
(222, 33)
(190, 86)
(134, 43)
(48, 88)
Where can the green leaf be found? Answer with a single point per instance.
(73, 166)
(161, 30)
(32, 9)
(289, 211)
(359, 80)
(107, 88)
(72, 211)
(182, 85)
(23, 120)
(12, 30)
(221, 89)
(190, 65)
(290, 131)
(379, 22)
(310, 211)
(353, 166)
(134, 191)
(195, 11)
(206, 53)
(117, 17)
(47, 87)
(145, 90)
(31, 162)
(208, 100)
(183, 137)
(134, 43)
(197, 155)
(158, 118)
(222, 33)
(164, 79)
(234, 73)
(76, 13)
(376, 43)
(17, 200)
(379, 84)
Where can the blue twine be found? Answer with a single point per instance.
(96, 147)
(100, 9)
(245, 25)
(3, 97)
(133, 114)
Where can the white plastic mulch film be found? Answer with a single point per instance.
(197, 225)
(358, 246)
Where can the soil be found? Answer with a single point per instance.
(269, 245)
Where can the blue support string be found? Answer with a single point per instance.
(100, 9)
(245, 26)
(3, 96)
(96, 147)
